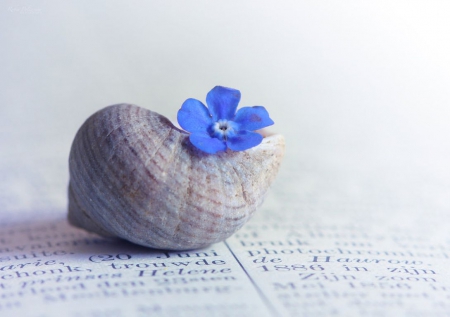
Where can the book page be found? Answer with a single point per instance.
(330, 239)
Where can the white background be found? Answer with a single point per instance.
(364, 82)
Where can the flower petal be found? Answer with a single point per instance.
(244, 140)
(222, 102)
(206, 143)
(194, 116)
(252, 118)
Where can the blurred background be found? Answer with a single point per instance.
(354, 86)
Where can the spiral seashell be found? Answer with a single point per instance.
(134, 175)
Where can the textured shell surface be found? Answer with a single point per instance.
(134, 175)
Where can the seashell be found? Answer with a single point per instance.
(134, 175)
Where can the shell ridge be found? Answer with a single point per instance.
(157, 149)
(242, 211)
(120, 127)
(89, 207)
(121, 118)
(162, 229)
(80, 218)
(239, 212)
(184, 205)
(115, 119)
(115, 222)
(170, 162)
(244, 192)
(171, 157)
(109, 133)
(113, 149)
(225, 161)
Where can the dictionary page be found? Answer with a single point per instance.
(356, 222)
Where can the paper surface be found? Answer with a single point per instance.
(336, 241)
(357, 221)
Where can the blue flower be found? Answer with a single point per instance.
(219, 126)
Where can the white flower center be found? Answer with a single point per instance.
(223, 128)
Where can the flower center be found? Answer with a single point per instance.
(223, 126)
(222, 129)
